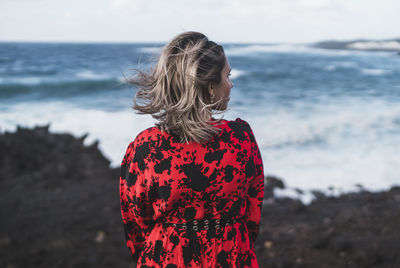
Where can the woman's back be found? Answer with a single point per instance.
(193, 204)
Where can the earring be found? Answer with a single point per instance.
(212, 96)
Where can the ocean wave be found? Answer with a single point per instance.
(314, 128)
(5, 59)
(353, 65)
(342, 64)
(282, 48)
(62, 116)
(352, 159)
(341, 145)
(235, 73)
(375, 72)
(90, 75)
(21, 81)
(53, 88)
(79, 77)
(329, 125)
(233, 50)
(376, 45)
(151, 50)
(254, 50)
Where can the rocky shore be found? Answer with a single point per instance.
(59, 207)
(352, 230)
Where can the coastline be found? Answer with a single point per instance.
(60, 208)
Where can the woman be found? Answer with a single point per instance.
(191, 187)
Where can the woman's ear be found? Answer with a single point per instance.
(210, 89)
(211, 92)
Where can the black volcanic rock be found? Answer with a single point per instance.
(35, 153)
(59, 203)
(332, 44)
(352, 230)
(272, 182)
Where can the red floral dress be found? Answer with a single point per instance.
(164, 181)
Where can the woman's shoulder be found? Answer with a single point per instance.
(243, 128)
(153, 135)
(143, 136)
(239, 124)
(238, 129)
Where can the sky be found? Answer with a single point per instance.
(238, 21)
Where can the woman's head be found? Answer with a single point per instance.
(188, 83)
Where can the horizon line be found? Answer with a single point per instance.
(222, 42)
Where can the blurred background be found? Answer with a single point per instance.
(322, 117)
(318, 81)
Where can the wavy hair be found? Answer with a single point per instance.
(175, 91)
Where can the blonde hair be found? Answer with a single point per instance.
(176, 91)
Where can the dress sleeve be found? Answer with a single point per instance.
(136, 209)
(255, 194)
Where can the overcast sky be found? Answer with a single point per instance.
(222, 20)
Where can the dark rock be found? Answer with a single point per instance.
(274, 182)
(280, 263)
(368, 257)
(357, 229)
(270, 184)
(297, 206)
(299, 191)
(322, 241)
(55, 196)
(341, 243)
(37, 152)
(318, 194)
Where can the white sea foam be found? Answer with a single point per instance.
(31, 80)
(235, 73)
(331, 67)
(353, 65)
(305, 196)
(37, 80)
(358, 145)
(255, 50)
(113, 129)
(341, 64)
(151, 50)
(329, 124)
(249, 50)
(376, 72)
(348, 137)
(90, 75)
(339, 143)
(378, 45)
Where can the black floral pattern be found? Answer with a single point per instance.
(163, 180)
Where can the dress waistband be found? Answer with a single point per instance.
(203, 224)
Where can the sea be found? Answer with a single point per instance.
(324, 120)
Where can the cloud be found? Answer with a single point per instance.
(119, 3)
(222, 20)
(316, 3)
